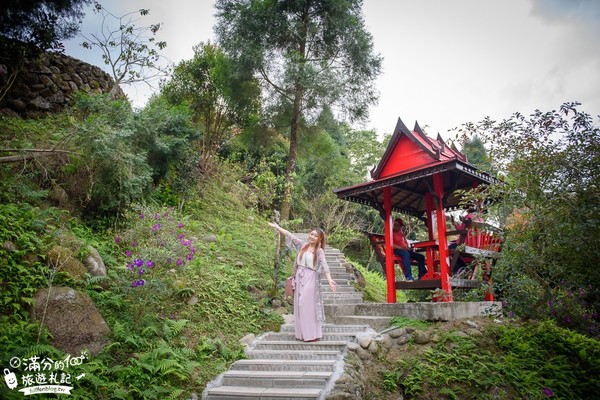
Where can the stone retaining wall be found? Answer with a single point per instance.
(46, 85)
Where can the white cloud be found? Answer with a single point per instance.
(445, 62)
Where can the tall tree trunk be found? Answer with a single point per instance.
(296, 114)
(291, 165)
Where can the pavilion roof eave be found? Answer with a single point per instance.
(361, 193)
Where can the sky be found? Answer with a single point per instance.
(445, 62)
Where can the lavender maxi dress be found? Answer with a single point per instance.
(308, 299)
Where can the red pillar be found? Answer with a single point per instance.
(389, 249)
(429, 253)
(438, 187)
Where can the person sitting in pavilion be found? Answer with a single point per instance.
(463, 223)
(402, 249)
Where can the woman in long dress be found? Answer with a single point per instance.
(310, 263)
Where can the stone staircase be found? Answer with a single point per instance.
(280, 367)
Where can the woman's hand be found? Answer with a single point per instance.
(274, 225)
(332, 285)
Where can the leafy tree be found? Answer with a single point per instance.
(166, 133)
(475, 151)
(41, 24)
(551, 197)
(308, 53)
(130, 51)
(220, 99)
(28, 27)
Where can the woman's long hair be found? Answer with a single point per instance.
(320, 243)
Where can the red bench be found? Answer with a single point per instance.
(478, 241)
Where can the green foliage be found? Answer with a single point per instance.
(550, 207)
(532, 361)
(122, 155)
(25, 233)
(322, 45)
(376, 286)
(217, 96)
(115, 173)
(476, 153)
(557, 358)
(401, 322)
(166, 134)
(39, 24)
(312, 55)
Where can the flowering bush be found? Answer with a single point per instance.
(155, 241)
(571, 309)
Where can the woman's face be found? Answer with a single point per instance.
(313, 237)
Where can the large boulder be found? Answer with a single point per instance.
(63, 259)
(72, 318)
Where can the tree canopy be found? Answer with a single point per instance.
(41, 23)
(308, 53)
(550, 203)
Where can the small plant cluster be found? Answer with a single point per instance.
(154, 241)
(570, 309)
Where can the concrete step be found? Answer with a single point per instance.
(339, 275)
(339, 289)
(378, 323)
(280, 379)
(330, 328)
(293, 355)
(340, 282)
(283, 365)
(342, 295)
(327, 336)
(334, 302)
(299, 345)
(262, 393)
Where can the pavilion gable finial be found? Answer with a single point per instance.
(440, 140)
(401, 128)
(418, 129)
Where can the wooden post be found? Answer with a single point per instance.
(389, 248)
(438, 187)
(429, 252)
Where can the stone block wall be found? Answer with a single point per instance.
(46, 85)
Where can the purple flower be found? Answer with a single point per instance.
(547, 392)
(138, 263)
(117, 239)
(141, 271)
(511, 314)
(179, 262)
(155, 228)
(128, 253)
(568, 320)
(180, 225)
(129, 266)
(137, 283)
(181, 236)
(157, 216)
(135, 244)
(169, 260)
(150, 263)
(190, 256)
(142, 216)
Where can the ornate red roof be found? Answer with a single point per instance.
(409, 161)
